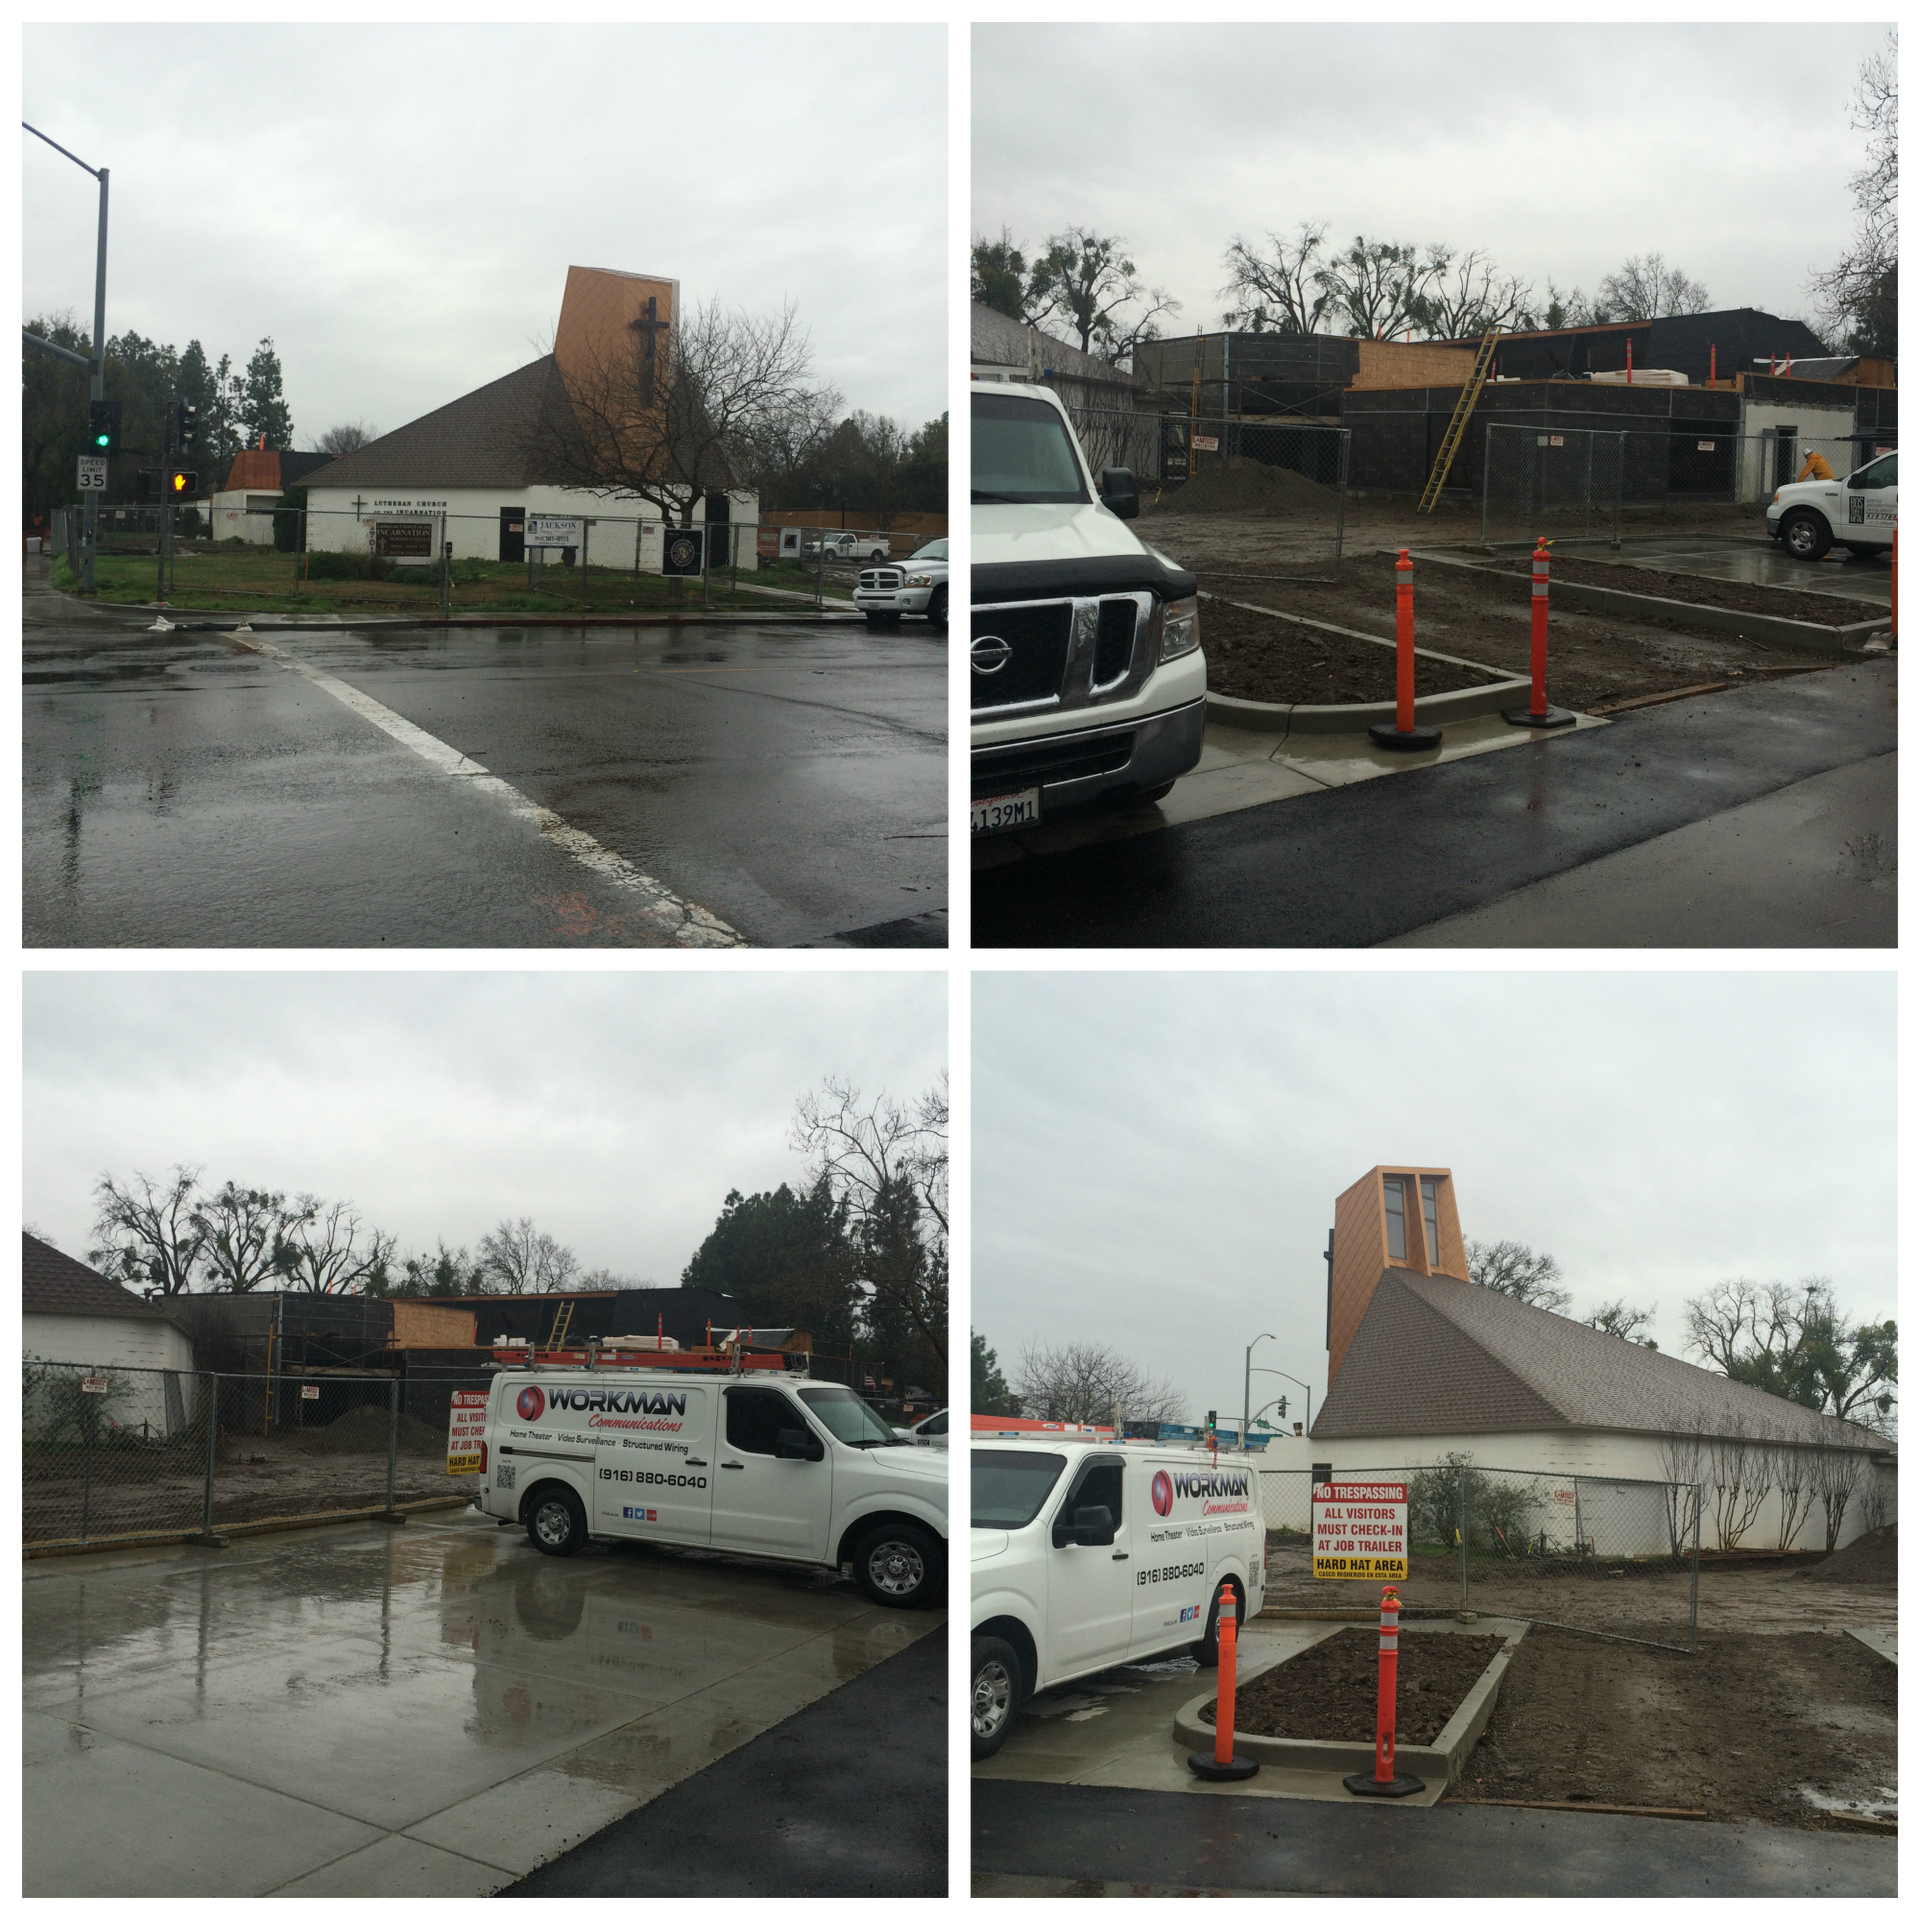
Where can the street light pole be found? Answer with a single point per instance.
(1246, 1388)
(97, 387)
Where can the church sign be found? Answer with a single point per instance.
(403, 539)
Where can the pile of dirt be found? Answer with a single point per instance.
(1332, 1691)
(1251, 657)
(1735, 596)
(1240, 485)
(1871, 1561)
(364, 1430)
(1779, 1728)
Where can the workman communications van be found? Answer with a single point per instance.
(766, 1463)
(1087, 1553)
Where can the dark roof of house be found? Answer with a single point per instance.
(54, 1282)
(1434, 1355)
(296, 467)
(475, 440)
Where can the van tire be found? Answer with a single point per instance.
(1805, 535)
(999, 1686)
(1207, 1650)
(556, 1521)
(898, 1564)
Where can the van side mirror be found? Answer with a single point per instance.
(1089, 1527)
(1118, 494)
(796, 1443)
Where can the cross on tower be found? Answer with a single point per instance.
(649, 324)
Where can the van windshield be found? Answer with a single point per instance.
(848, 1418)
(1022, 454)
(1009, 1488)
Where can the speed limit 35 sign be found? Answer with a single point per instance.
(1360, 1530)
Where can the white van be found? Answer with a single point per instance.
(767, 1463)
(1087, 1554)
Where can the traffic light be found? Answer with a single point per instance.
(146, 480)
(186, 425)
(103, 426)
(184, 483)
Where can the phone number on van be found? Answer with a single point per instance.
(1153, 1576)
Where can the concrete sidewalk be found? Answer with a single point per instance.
(1381, 859)
(1030, 1839)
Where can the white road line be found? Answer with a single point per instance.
(683, 923)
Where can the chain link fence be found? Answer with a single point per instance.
(119, 1455)
(1291, 478)
(1584, 483)
(1616, 1558)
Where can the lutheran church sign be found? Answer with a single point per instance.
(469, 461)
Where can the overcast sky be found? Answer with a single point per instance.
(398, 206)
(1561, 149)
(614, 1109)
(1157, 1155)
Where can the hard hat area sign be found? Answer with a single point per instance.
(1360, 1530)
(467, 1426)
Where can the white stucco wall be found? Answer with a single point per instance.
(1821, 428)
(238, 515)
(1572, 1455)
(139, 1352)
(338, 518)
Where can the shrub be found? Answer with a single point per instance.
(1496, 1507)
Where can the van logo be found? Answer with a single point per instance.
(531, 1404)
(990, 653)
(1162, 1495)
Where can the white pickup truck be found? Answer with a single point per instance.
(867, 548)
(1809, 517)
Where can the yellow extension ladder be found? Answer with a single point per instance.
(562, 1320)
(1457, 426)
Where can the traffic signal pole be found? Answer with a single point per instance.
(97, 386)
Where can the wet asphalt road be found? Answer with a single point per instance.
(183, 791)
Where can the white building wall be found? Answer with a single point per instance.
(136, 1350)
(1819, 428)
(1573, 1454)
(338, 519)
(244, 515)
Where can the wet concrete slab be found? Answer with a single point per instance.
(1757, 563)
(1373, 860)
(183, 790)
(369, 1710)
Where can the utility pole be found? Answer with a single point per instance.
(97, 387)
(1246, 1389)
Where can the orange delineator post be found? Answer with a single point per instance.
(1537, 713)
(1383, 1782)
(1221, 1765)
(1405, 735)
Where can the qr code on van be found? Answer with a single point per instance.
(503, 1477)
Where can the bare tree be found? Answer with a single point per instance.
(145, 1232)
(1644, 287)
(245, 1233)
(1083, 1381)
(1517, 1271)
(1836, 1475)
(776, 448)
(1876, 1506)
(1793, 1341)
(887, 1164)
(1087, 278)
(1471, 296)
(348, 437)
(516, 1257)
(332, 1250)
(1683, 1461)
(1859, 296)
(1380, 287)
(1793, 1480)
(1277, 290)
(1742, 1472)
(1622, 1321)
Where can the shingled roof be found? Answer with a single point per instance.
(54, 1282)
(1437, 1355)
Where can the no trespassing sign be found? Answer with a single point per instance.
(1360, 1530)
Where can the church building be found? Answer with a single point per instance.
(1421, 1363)
(473, 472)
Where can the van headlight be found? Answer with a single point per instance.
(1179, 628)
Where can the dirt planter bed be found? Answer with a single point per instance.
(1333, 1685)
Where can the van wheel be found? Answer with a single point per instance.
(998, 1685)
(1207, 1651)
(897, 1564)
(556, 1521)
(1805, 536)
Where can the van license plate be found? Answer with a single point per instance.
(1007, 811)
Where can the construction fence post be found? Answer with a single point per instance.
(206, 1537)
(1465, 1528)
(1619, 489)
(1340, 508)
(1486, 484)
(393, 1448)
(86, 1467)
(1693, 1597)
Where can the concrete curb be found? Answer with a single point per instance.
(1647, 606)
(1444, 1760)
(280, 1523)
(215, 620)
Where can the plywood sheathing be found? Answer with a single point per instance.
(1360, 1247)
(418, 1325)
(1398, 363)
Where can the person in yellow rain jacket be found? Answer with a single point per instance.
(1815, 469)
